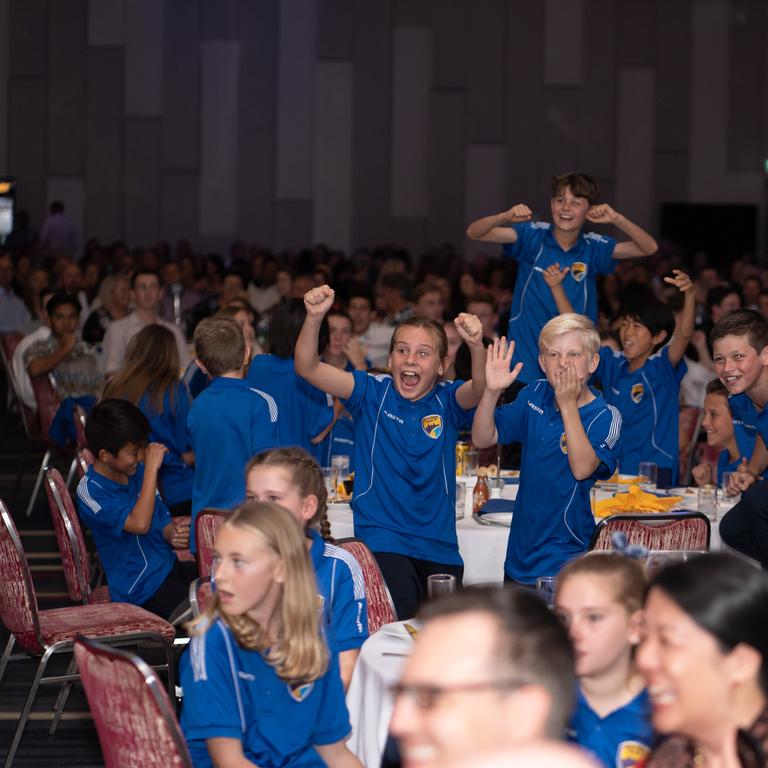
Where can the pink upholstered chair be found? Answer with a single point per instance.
(69, 535)
(42, 633)
(200, 595)
(680, 531)
(84, 459)
(134, 717)
(207, 523)
(381, 609)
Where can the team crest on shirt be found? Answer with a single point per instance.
(300, 691)
(563, 444)
(578, 270)
(637, 392)
(432, 425)
(630, 754)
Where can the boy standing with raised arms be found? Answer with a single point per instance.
(538, 245)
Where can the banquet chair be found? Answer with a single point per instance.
(690, 426)
(134, 717)
(42, 633)
(84, 460)
(200, 595)
(207, 524)
(679, 531)
(8, 344)
(381, 608)
(71, 541)
(78, 419)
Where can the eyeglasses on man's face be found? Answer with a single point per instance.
(426, 696)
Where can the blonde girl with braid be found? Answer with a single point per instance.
(261, 687)
(292, 478)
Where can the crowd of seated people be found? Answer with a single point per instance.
(214, 380)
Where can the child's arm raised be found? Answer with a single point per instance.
(497, 378)
(493, 229)
(640, 243)
(684, 330)
(470, 329)
(553, 277)
(306, 360)
(140, 519)
(582, 458)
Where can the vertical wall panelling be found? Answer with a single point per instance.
(410, 115)
(332, 171)
(143, 187)
(5, 17)
(220, 20)
(143, 57)
(27, 139)
(106, 22)
(563, 42)
(71, 191)
(28, 43)
(295, 100)
(179, 200)
(336, 29)
(484, 189)
(450, 22)
(218, 162)
(636, 21)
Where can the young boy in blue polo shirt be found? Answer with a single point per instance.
(229, 422)
(570, 439)
(537, 245)
(118, 500)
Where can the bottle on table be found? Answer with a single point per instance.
(481, 492)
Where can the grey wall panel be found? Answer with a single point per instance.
(66, 95)
(562, 139)
(634, 161)
(412, 13)
(28, 38)
(449, 48)
(670, 175)
(27, 137)
(181, 88)
(143, 147)
(373, 122)
(295, 100)
(336, 29)
(563, 42)
(218, 161)
(485, 193)
(293, 223)
(410, 115)
(257, 115)
(144, 23)
(447, 137)
(636, 30)
(106, 22)
(179, 198)
(70, 190)
(487, 47)
(410, 233)
(104, 143)
(221, 20)
(332, 171)
(5, 18)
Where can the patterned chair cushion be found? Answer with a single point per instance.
(207, 525)
(686, 533)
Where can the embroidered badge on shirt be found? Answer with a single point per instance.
(432, 425)
(578, 270)
(631, 753)
(563, 444)
(637, 392)
(300, 691)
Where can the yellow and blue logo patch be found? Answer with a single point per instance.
(637, 392)
(578, 270)
(300, 691)
(631, 754)
(432, 425)
(563, 444)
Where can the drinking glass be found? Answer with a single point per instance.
(440, 584)
(648, 472)
(471, 462)
(342, 465)
(331, 480)
(727, 495)
(708, 501)
(460, 500)
(545, 586)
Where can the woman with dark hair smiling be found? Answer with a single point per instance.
(705, 659)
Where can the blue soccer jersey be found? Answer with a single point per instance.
(552, 521)
(228, 423)
(405, 468)
(340, 581)
(532, 304)
(621, 739)
(233, 693)
(649, 402)
(136, 565)
(745, 442)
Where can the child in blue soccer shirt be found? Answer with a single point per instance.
(132, 528)
(261, 686)
(406, 426)
(570, 439)
(537, 245)
(599, 599)
(292, 478)
(229, 422)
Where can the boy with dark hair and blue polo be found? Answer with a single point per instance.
(537, 245)
(570, 439)
(229, 422)
(118, 500)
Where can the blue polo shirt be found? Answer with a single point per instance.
(621, 739)
(340, 581)
(230, 692)
(405, 468)
(170, 429)
(136, 565)
(532, 302)
(753, 421)
(553, 520)
(649, 402)
(228, 423)
(745, 442)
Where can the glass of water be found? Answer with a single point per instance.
(331, 480)
(648, 472)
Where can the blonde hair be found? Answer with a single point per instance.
(566, 323)
(306, 478)
(300, 653)
(220, 345)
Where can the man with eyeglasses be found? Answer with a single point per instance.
(491, 669)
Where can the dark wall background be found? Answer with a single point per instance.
(363, 121)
